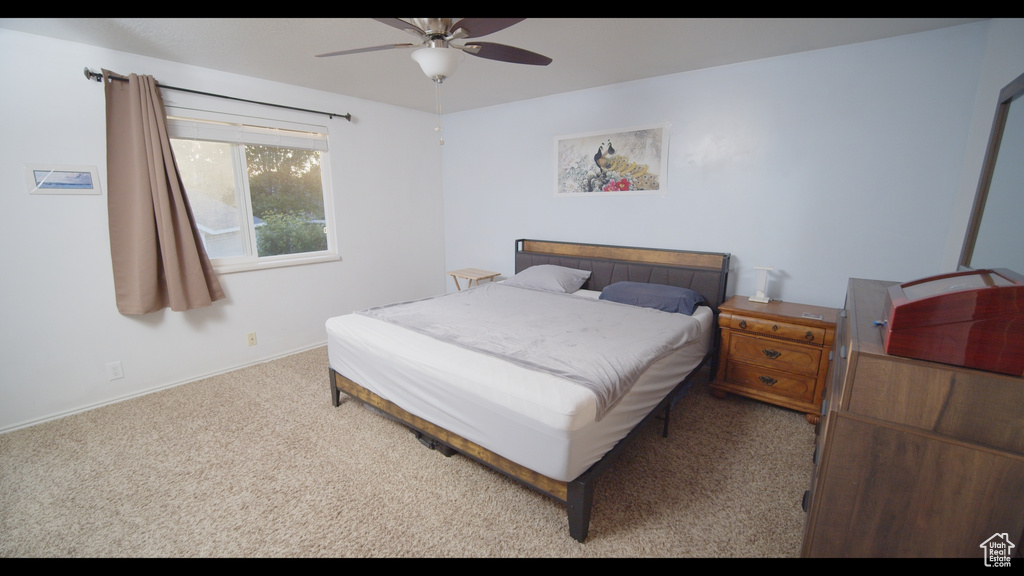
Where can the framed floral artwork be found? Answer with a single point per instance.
(630, 161)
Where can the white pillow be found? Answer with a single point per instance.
(550, 277)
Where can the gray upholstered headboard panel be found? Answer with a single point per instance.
(703, 272)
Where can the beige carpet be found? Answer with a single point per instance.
(258, 463)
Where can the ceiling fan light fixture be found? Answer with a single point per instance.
(438, 63)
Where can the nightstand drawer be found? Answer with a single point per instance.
(774, 381)
(809, 334)
(775, 354)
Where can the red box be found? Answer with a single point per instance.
(973, 319)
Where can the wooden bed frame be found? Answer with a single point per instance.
(704, 272)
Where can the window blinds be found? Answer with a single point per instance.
(242, 133)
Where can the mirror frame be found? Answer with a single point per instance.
(1008, 94)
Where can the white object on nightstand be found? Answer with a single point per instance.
(761, 284)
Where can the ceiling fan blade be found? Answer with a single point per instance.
(477, 27)
(370, 49)
(504, 53)
(400, 24)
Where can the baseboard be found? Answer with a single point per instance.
(86, 408)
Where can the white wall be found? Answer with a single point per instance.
(830, 164)
(59, 325)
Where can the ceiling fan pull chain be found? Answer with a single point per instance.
(437, 90)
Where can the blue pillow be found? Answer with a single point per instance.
(657, 296)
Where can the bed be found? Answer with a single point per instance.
(547, 375)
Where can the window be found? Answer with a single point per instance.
(259, 190)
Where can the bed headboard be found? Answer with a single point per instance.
(703, 272)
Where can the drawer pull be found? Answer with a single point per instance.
(775, 327)
(743, 324)
(767, 380)
(773, 354)
(809, 336)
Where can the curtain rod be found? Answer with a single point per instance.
(89, 74)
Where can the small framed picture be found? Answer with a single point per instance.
(62, 179)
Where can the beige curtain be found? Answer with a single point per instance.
(158, 256)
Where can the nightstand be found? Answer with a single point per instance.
(472, 275)
(776, 352)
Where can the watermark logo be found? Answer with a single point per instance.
(998, 550)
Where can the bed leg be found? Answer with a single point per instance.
(579, 501)
(335, 391)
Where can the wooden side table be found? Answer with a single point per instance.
(776, 352)
(472, 275)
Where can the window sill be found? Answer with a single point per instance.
(227, 267)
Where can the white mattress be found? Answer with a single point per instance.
(545, 423)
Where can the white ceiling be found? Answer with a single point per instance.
(586, 52)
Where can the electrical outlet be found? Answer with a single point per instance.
(251, 338)
(114, 370)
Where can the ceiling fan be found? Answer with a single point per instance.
(439, 57)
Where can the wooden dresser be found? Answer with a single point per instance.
(912, 458)
(776, 352)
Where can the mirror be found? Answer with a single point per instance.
(995, 232)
